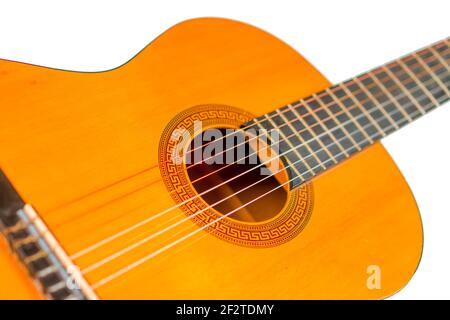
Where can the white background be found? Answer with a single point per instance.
(341, 38)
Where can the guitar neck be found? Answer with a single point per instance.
(325, 128)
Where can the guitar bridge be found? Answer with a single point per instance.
(38, 250)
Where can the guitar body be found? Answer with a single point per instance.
(85, 150)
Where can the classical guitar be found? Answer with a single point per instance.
(216, 164)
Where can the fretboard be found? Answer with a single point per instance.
(320, 131)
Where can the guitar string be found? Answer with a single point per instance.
(308, 99)
(320, 123)
(152, 236)
(142, 241)
(311, 98)
(127, 230)
(121, 252)
(147, 220)
(146, 185)
(80, 215)
(350, 108)
(140, 188)
(284, 138)
(142, 260)
(59, 207)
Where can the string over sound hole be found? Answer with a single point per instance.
(216, 198)
(232, 178)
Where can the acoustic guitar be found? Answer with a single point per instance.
(218, 163)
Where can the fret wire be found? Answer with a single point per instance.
(405, 90)
(338, 100)
(408, 81)
(300, 139)
(363, 87)
(368, 86)
(426, 79)
(330, 155)
(439, 57)
(300, 119)
(339, 124)
(380, 84)
(331, 120)
(353, 147)
(443, 51)
(391, 125)
(433, 75)
(414, 81)
(369, 116)
(346, 111)
(394, 77)
(419, 68)
(292, 167)
(366, 113)
(359, 115)
(443, 44)
(385, 89)
(433, 63)
(418, 81)
(322, 125)
(395, 111)
(366, 96)
(374, 100)
(310, 111)
(299, 136)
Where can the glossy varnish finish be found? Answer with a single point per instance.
(68, 140)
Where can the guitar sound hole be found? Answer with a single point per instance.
(239, 183)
